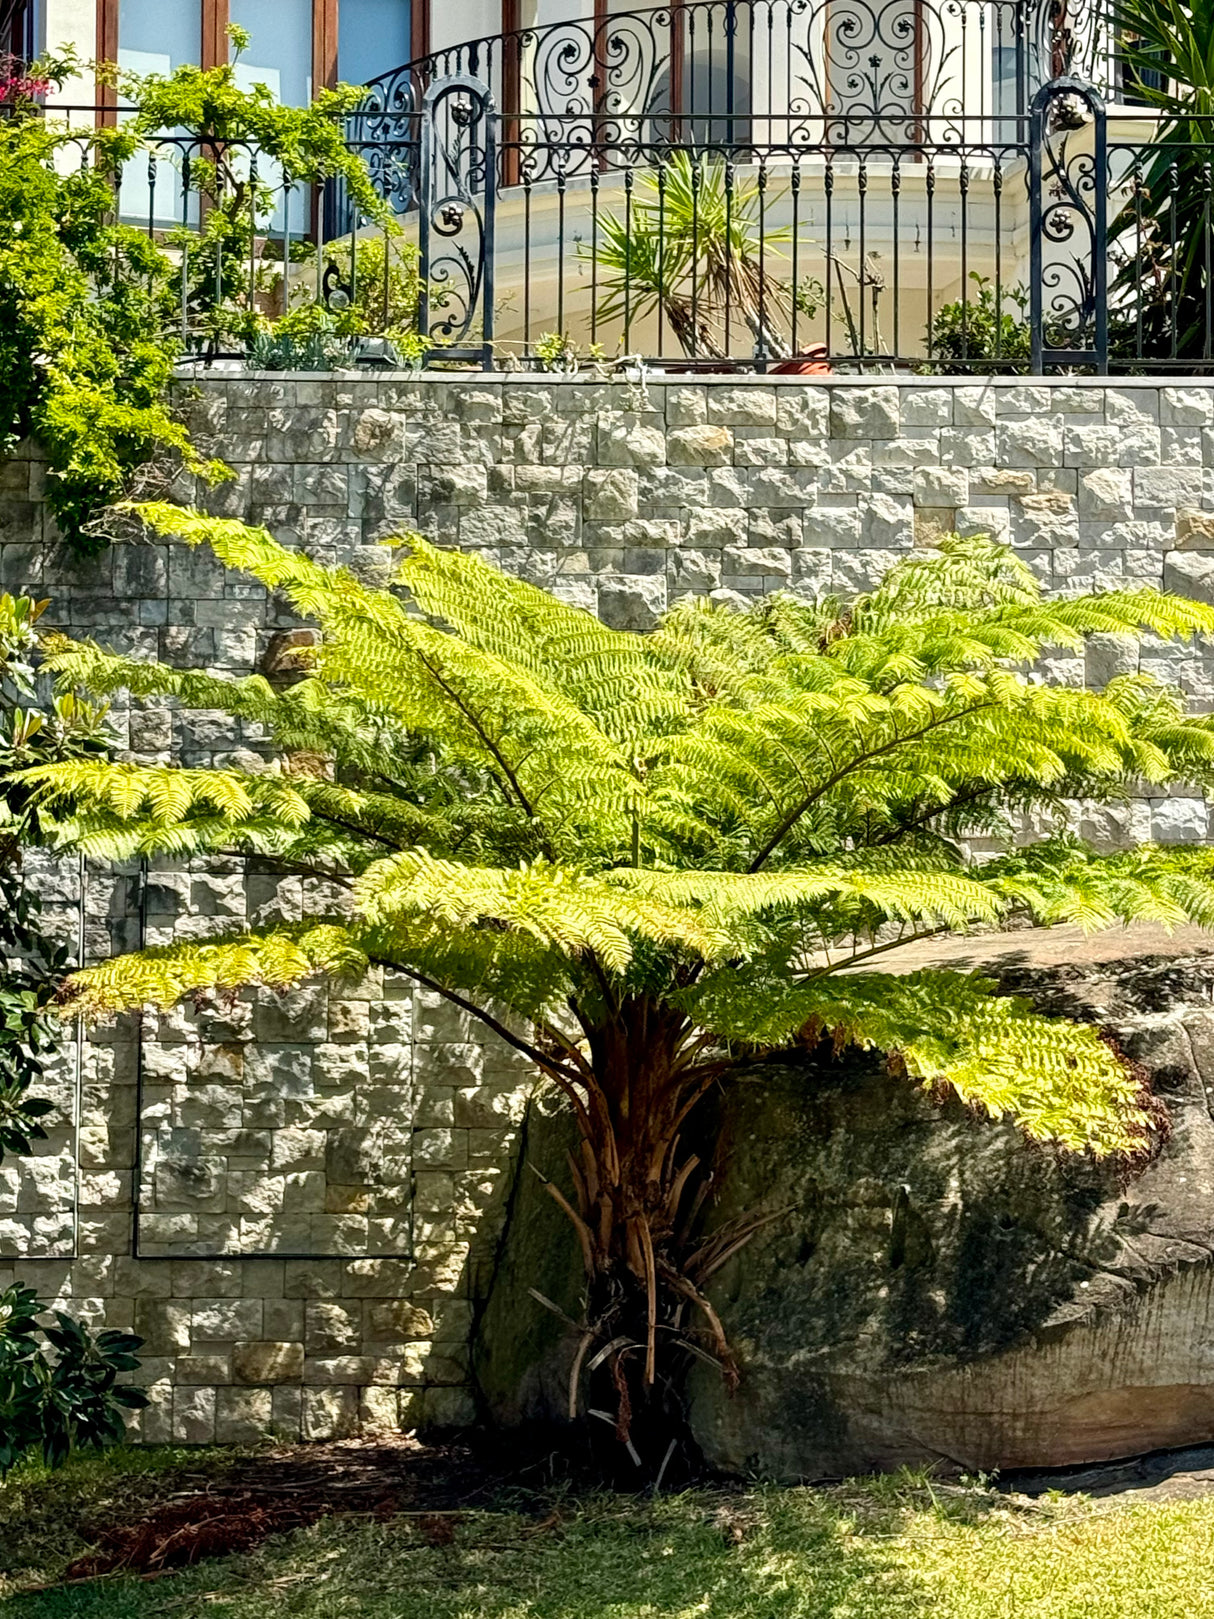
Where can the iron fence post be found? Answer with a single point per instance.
(1068, 207)
(455, 233)
(1036, 245)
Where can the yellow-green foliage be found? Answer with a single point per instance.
(532, 810)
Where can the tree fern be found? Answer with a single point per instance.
(635, 856)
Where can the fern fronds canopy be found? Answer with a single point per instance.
(719, 821)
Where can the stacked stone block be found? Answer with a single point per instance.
(296, 1200)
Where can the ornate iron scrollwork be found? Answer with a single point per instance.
(1068, 200)
(456, 219)
(612, 91)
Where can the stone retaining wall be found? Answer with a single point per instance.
(296, 1201)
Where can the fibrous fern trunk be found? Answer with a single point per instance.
(638, 1193)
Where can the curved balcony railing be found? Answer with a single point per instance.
(768, 75)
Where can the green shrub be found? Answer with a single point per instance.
(981, 335)
(59, 1384)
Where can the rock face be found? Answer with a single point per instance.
(939, 1289)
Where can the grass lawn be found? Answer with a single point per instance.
(885, 1549)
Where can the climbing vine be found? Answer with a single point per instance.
(91, 306)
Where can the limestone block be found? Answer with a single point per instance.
(347, 1369)
(202, 1370)
(1179, 820)
(1107, 656)
(329, 1413)
(695, 571)
(296, 1149)
(190, 1184)
(379, 1410)
(686, 407)
(966, 447)
(1194, 529)
(759, 450)
(850, 469)
(293, 1018)
(242, 1415)
(809, 452)
(312, 1278)
(194, 1415)
(975, 406)
(1167, 486)
(926, 407)
(303, 1191)
(650, 534)
(268, 1362)
(933, 523)
(712, 527)
(1106, 493)
(397, 1322)
(526, 404)
(742, 406)
(330, 1328)
(283, 1320)
(888, 522)
(434, 1192)
(476, 404)
(704, 446)
(756, 561)
(223, 1320)
(1023, 400)
(781, 529)
(1192, 406)
(632, 603)
(833, 526)
(164, 1325)
(378, 1278)
(856, 571)
(802, 413)
(1036, 442)
(1049, 518)
(1190, 573)
(1181, 446)
(1093, 445)
(864, 413)
(625, 441)
(941, 486)
(610, 495)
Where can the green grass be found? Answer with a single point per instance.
(44, 1514)
(886, 1549)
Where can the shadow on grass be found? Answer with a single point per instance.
(765, 1554)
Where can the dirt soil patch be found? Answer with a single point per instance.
(291, 1487)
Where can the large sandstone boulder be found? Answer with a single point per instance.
(938, 1289)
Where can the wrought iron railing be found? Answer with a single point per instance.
(892, 187)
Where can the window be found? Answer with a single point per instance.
(373, 37)
(156, 38)
(19, 28)
(280, 55)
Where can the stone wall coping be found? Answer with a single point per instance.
(657, 378)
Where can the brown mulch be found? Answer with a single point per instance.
(290, 1487)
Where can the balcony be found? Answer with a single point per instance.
(767, 182)
(958, 186)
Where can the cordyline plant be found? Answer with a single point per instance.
(634, 857)
(695, 247)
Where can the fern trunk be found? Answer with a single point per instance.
(637, 1197)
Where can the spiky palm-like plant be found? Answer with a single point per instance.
(1164, 234)
(694, 245)
(635, 856)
